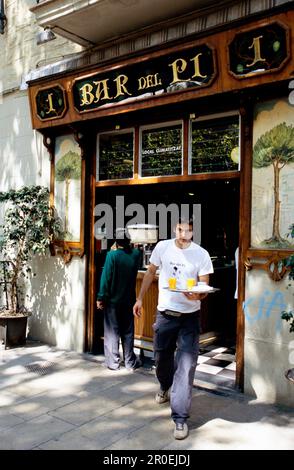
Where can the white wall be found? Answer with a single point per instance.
(269, 347)
(19, 52)
(57, 291)
(57, 302)
(24, 159)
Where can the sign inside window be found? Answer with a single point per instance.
(161, 151)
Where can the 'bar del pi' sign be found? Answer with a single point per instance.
(192, 67)
(254, 51)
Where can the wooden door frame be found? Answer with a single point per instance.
(244, 229)
(246, 113)
(90, 277)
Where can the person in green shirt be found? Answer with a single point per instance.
(116, 296)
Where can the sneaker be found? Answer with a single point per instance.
(110, 368)
(162, 396)
(137, 365)
(181, 431)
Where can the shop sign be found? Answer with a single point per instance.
(51, 103)
(259, 50)
(190, 68)
(256, 51)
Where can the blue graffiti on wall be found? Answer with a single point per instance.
(264, 305)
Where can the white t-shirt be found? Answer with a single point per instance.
(182, 264)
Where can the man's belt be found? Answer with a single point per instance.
(173, 313)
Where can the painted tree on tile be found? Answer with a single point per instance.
(68, 168)
(275, 147)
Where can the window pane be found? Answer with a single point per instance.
(161, 151)
(215, 145)
(116, 155)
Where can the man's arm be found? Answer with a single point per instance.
(105, 282)
(146, 283)
(204, 278)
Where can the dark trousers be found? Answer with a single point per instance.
(119, 324)
(176, 347)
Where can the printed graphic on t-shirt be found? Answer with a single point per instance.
(177, 270)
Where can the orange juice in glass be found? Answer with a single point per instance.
(172, 283)
(190, 283)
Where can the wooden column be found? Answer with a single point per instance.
(244, 231)
(143, 325)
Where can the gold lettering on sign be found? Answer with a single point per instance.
(87, 96)
(121, 81)
(257, 54)
(197, 66)
(142, 83)
(157, 80)
(178, 66)
(102, 89)
(50, 102)
(149, 81)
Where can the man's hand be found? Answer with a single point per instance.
(194, 296)
(100, 304)
(137, 309)
(146, 283)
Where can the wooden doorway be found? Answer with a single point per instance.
(152, 185)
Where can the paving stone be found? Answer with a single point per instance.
(82, 405)
(33, 433)
(8, 420)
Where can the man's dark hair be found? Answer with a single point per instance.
(186, 220)
(122, 238)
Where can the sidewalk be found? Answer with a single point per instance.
(53, 399)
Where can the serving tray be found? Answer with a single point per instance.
(196, 289)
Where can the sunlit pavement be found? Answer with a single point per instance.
(53, 399)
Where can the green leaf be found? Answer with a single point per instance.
(29, 224)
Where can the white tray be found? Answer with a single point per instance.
(196, 289)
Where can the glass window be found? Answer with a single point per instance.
(161, 151)
(215, 145)
(115, 155)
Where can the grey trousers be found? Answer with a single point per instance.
(176, 347)
(119, 324)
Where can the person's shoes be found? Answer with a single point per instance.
(162, 397)
(181, 431)
(110, 368)
(137, 365)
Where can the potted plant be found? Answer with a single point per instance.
(289, 316)
(28, 228)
